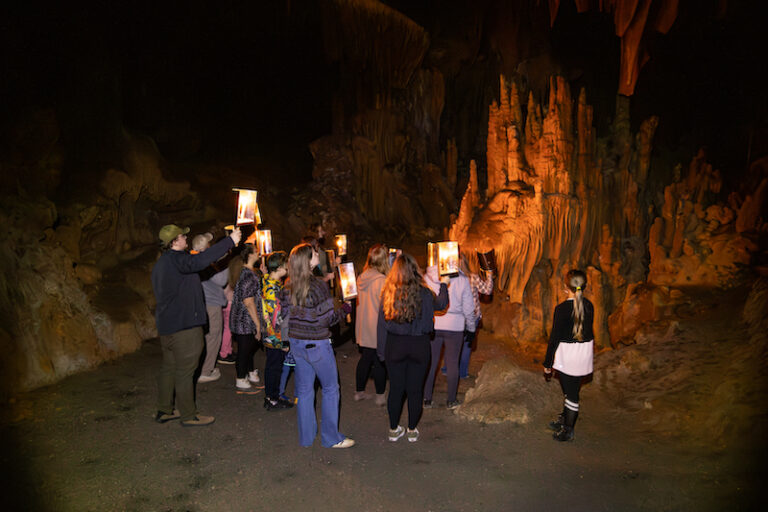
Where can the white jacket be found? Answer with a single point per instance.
(460, 315)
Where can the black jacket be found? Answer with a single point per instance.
(562, 328)
(179, 295)
(424, 324)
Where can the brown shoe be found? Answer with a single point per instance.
(198, 421)
(162, 417)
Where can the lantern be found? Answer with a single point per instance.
(341, 244)
(431, 254)
(331, 257)
(247, 207)
(264, 241)
(448, 258)
(487, 261)
(393, 254)
(347, 280)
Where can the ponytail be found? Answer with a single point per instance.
(576, 281)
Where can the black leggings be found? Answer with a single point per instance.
(570, 386)
(369, 359)
(246, 348)
(407, 359)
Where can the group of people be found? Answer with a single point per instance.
(405, 319)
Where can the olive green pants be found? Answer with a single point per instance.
(181, 355)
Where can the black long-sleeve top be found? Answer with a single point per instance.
(423, 324)
(177, 288)
(562, 328)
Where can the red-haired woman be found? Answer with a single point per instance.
(406, 321)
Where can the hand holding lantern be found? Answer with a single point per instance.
(236, 235)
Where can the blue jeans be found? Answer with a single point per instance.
(314, 358)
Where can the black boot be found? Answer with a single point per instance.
(566, 432)
(557, 423)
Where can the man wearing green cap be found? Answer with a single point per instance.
(180, 315)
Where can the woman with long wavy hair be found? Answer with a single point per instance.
(406, 321)
(308, 301)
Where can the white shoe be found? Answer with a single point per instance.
(344, 443)
(215, 375)
(396, 434)
(413, 435)
(242, 384)
(253, 377)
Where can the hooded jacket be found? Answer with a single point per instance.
(369, 285)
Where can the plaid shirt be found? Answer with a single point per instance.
(480, 286)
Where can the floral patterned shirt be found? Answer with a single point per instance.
(248, 286)
(271, 312)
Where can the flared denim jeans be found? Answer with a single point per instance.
(315, 358)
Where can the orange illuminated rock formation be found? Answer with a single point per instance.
(558, 198)
(697, 241)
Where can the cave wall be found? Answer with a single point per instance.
(74, 279)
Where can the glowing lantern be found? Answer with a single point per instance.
(247, 207)
(264, 240)
(447, 256)
(393, 254)
(347, 280)
(341, 244)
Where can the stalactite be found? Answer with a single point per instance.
(630, 18)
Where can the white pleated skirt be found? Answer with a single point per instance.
(575, 358)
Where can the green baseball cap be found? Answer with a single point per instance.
(170, 232)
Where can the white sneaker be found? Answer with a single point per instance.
(253, 377)
(396, 434)
(215, 375)
(344, 443)
(413, 435)
(242, 384)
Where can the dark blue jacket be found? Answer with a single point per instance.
(179, 295)
(423, 324)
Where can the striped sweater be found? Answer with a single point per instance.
(312, 320)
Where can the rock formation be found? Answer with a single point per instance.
(386, 125)
(559, 198)
(74, 285)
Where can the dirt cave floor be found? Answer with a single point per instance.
(90, 443)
